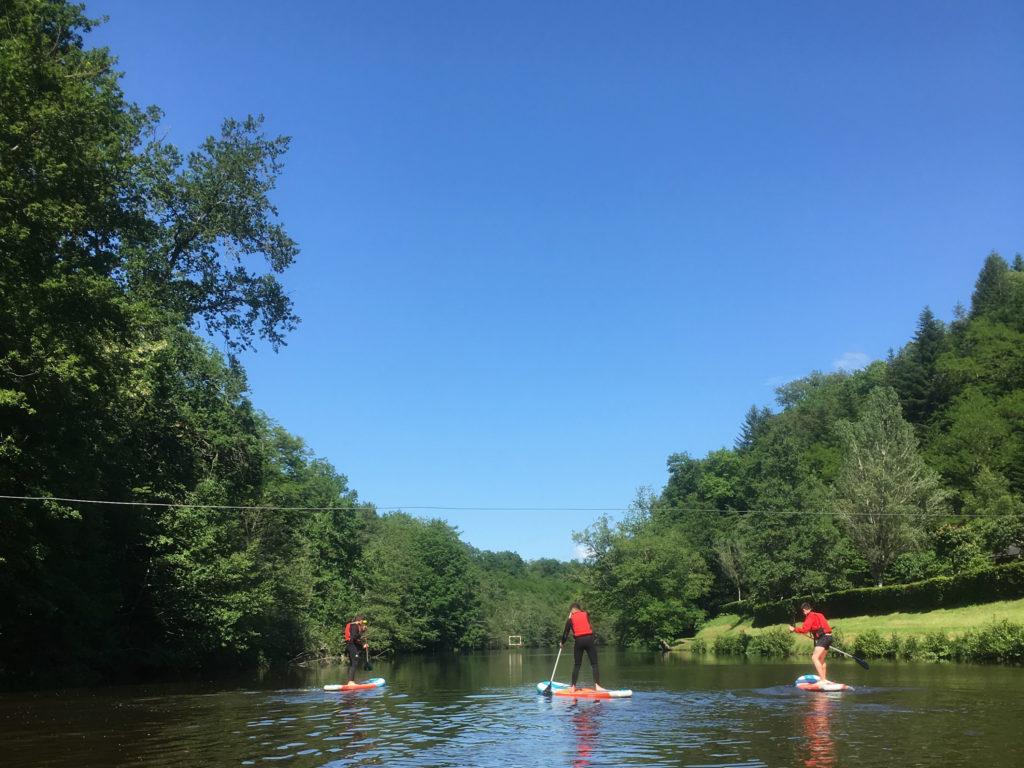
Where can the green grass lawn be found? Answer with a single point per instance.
(952, 621)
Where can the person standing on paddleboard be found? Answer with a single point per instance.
(583, 635)
(355, 644)
(816, 625)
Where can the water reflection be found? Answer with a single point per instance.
(584, 719)
(819, 748)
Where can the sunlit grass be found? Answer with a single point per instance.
(952, 621)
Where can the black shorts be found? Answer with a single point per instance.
(824, 641)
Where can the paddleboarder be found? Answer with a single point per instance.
(584, 640)
(355, 645)
(816, 625)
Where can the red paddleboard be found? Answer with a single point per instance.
(373, 682)
(813, 683)
(562, 689)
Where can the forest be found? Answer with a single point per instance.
(134, 272)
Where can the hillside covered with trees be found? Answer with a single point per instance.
(908, 469)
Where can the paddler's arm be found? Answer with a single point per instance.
(358, 636)
(565, 632)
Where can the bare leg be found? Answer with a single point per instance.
(818, 657)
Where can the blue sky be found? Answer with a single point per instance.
(545, 245)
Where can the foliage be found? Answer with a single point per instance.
(644, 577)
(885, 495)
(416, 580)
(731, 644)
(527, 599)
(775, 643)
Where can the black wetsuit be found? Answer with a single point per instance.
(582, 643)
(354, 648)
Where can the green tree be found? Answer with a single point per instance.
(644, 576)
(417, 585)
(733, 556)
(914, 372)
(992, 291)
(753, 425)
(885, 495)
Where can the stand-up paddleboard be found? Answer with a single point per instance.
(813, 683)
(562, 689)
(369, 685)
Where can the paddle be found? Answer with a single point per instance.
(850, 655)
(366, 664)
(547, 691)
(845, 653)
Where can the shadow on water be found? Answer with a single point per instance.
(483, 710)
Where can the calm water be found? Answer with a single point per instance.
(482, 710)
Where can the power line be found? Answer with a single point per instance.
(439, 508)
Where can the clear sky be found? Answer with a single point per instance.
(545, 245)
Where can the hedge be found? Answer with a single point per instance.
(1002, 582)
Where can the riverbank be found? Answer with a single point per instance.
(989, 632)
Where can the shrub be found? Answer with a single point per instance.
(731, 644)
(936, 646)
(698, 646)
(1000, 642)
(775, 643)
(910, 648)
(870, 645)
(838, 638)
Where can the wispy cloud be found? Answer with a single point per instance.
(581, 552)
(851, 361)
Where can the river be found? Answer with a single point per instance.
(483, 710)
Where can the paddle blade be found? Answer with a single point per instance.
(547, 691)
(366, 664)
(861, 662)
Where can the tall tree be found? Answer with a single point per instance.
(733, 557)
(914, 372)
(885, 495)
(992, 289)
(753, 425)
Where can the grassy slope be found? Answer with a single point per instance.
(952, 621)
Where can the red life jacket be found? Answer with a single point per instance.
(348, 632)
(580, 624)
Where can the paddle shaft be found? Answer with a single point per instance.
(851, 656)
(547, 691)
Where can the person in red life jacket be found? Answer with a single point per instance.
(355, 645)
(816, 625)
(583, 635)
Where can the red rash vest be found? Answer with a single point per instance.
(814, 623)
